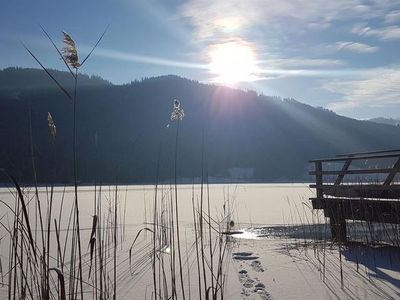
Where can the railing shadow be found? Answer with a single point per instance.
(378, 260)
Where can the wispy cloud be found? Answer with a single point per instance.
(272, 68)
(212, 18)
(383, 33)
(275, 73)
(274, 27)
(299, 62)
(355, 47)
(392, 17)
(132, 57)
(378, 88)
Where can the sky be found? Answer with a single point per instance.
(342, 55)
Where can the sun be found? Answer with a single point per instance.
(233, 62)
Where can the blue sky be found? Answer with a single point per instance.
(342, 55)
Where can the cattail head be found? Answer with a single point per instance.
(52, 127)
(177, 112)
(70, 52)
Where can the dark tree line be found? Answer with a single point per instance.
(122, 128)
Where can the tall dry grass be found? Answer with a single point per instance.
(47, 257)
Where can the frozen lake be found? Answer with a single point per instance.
(255, 268)
(252, 204)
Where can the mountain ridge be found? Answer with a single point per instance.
(123, 130)
(387, 121)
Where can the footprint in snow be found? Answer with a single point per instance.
(249, 283)
(256, 265)
(252, 288)
(243, 276)
(264, 295)
(244, 256)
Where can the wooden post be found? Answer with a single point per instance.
(318, 179)
(338, 223)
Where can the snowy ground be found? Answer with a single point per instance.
(290, 269)
(275, 256)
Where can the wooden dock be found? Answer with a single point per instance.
(358, 186)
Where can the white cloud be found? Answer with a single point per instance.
(297, 62)
(392, 17)
(360, 28)
(278, 27)
(208, 16)
(355, 47)
(383, 33)
(144, 59)
(275, 73)
(378, 88)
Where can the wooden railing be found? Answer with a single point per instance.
(361, 200)
(387, 188)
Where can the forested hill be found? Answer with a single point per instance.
(125, 133)
(388, 121)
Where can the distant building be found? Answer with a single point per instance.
(241, 173)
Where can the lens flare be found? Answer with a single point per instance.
(233, 62)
